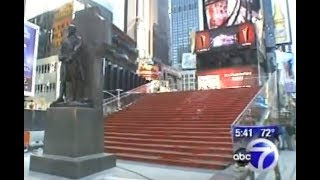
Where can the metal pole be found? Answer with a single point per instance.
(119, 92)
(278, 90)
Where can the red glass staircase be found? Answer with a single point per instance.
(190, 129)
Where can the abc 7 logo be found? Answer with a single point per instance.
(260, 155)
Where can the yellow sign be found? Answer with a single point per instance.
(192, 41)
(62, 19)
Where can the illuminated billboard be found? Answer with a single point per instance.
(221, 13)
(149, 71)
(31, 37)
(239, 35)
(235, 77)
(189, 61)
(281, 20)
(202, 41)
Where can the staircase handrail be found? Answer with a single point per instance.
(238, 119)
(125, 99)
(124, 94)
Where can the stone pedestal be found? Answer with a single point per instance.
(73, 144)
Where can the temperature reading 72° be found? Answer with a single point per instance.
(266, 133)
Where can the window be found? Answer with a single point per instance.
(40, 86)
(190, 6)
(46, 88)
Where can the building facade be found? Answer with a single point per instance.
(46, 83)
(142, 24)
(188, 81)
(119, 62)
(185, 16)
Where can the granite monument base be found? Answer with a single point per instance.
(73, 168)
(73, 144)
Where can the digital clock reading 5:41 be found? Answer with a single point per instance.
(252, 131)
(243, 132)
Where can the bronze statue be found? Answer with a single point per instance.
(71, 73)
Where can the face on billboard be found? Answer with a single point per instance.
(30, 40)
(243, 35)
(230, 12)
(217, 13)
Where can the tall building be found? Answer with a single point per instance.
(185, 16)
(147, 22)
(161, 29)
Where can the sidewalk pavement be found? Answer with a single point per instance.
(287, 166)
(130, 170)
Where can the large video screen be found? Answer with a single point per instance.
(221, 13)
(31, 34)
(240, 35)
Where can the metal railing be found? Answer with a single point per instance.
(265, 99)
(232, 82)
(123, 100)
(117, 103)
(261, 107)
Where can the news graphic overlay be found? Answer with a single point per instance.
(242, 157)
(254, 147)
(241, 133)
(264, 155)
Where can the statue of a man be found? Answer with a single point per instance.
(71, 67)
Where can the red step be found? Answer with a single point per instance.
(181, 124)
(167, 154)
(189, 129)
(202, 143)
(181, 148)
(173, 162)
(164, 137)
(171, 132)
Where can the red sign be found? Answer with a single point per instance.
(202, 41)
(235, 77)
(246, 34)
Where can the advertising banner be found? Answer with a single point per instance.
(235, 77)
(189, 61)
(285, 65)
(221, 13)
(31, 35)
(281, 20)
(62, 19)
(209, 82)
(258, 25)
(202, 41)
